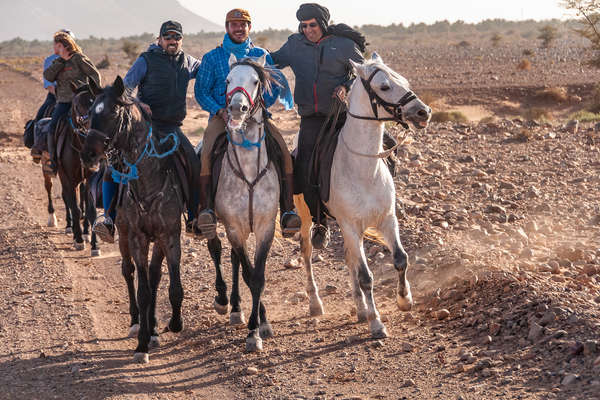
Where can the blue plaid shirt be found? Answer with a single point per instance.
(210, 86)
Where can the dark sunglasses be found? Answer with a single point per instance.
(312, 25)
(171, 36)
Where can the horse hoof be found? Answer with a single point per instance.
(220, 309)
(316, 308)
(86, 238)
(52, 220)
(133, 330)
(237, 318)
(265, 331)
(378, 330)
(95, 253)
(68, 230)
(79, 246)
(404, 303)
(141, 358)
(154, 342)
(175, 326)
(253, 344)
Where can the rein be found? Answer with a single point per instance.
(393, 108)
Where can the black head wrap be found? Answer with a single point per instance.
(313, 10)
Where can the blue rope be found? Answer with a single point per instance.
(247, 144)
(149, 151)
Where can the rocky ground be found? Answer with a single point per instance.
(501, 222)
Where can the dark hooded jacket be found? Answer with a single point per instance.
(319, 68)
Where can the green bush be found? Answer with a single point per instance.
(449, 116)
(585, 116)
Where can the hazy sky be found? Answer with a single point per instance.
(282, 14)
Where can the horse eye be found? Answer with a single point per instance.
(255, 82)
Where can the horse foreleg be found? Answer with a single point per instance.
(315, 303)
(139, 248)
(71, 200)
(389, 228)
(69, 226)
(253, 340)
(237, 315)
(127, 269)
(173, 255)
(155, 273)
(362, 280)
(90, 217)
(51, 216)
(215, 250)
(264, 240)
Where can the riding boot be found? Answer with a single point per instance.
(51, 166)
(206, 222)
(290, 221)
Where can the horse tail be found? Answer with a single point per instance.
(375, 236)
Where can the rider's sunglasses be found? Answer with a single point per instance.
(312, 25)
(171, 36)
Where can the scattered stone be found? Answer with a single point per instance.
(331, 289)
(590, 347)
(548, 318)
(572, 126)
(407, 347)
(495, 209)
(597, 361)
(378, 344)
(535, 332)
(483, 364)
(409, 383)
(251, 371)
(569, 379)
(442, 314)
(42, 355)
(292, 264)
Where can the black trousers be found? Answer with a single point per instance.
(49, 102)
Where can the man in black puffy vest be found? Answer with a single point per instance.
(161, 74)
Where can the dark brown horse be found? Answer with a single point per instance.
(69, 141)
(149, 210)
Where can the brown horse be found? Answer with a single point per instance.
(69, 138)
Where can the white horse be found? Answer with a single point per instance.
(247, 197)
(362, 192)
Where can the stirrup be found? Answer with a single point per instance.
(103, 231)
(206, 222)
(292, 226)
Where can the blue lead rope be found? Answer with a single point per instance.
(150, 151)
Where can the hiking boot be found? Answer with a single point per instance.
(290, 224)
(319, 236)
(36, 155)
(206, 223)
(105, 230)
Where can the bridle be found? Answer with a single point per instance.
(255, 104)
(376, 101)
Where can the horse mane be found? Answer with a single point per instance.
(125, 120)
(265, 74)
(372, 64)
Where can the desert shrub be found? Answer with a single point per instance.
(490, 119)
(463, 44)
(104, 63)
(528, 52)
(429, 98)
(552, 95)
(589, 24)
(537, 114)
(131, 49)
(524, 65)
(585, 116)
(594, 100)
(548, 34)
(449, 116)
(496, 39)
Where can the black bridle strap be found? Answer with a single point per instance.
(393, 108)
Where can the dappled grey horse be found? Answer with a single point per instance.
(247, 197)
(362, 192)
(150, 210)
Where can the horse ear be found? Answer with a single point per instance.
(262, 60)
(232, 59)
(119, 86)
(358, 68)
(375, 57)
(94, 88)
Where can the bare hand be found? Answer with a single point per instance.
(51, 89)
(222, 113)
(340, 92)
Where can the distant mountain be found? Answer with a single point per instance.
(39, 19)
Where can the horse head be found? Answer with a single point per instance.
(245, 82)
(389, 95)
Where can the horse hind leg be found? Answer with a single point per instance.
(52, 222)
(155, 274)
(315, 303)
(220, 303)
(237, 315)
(389, 228)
